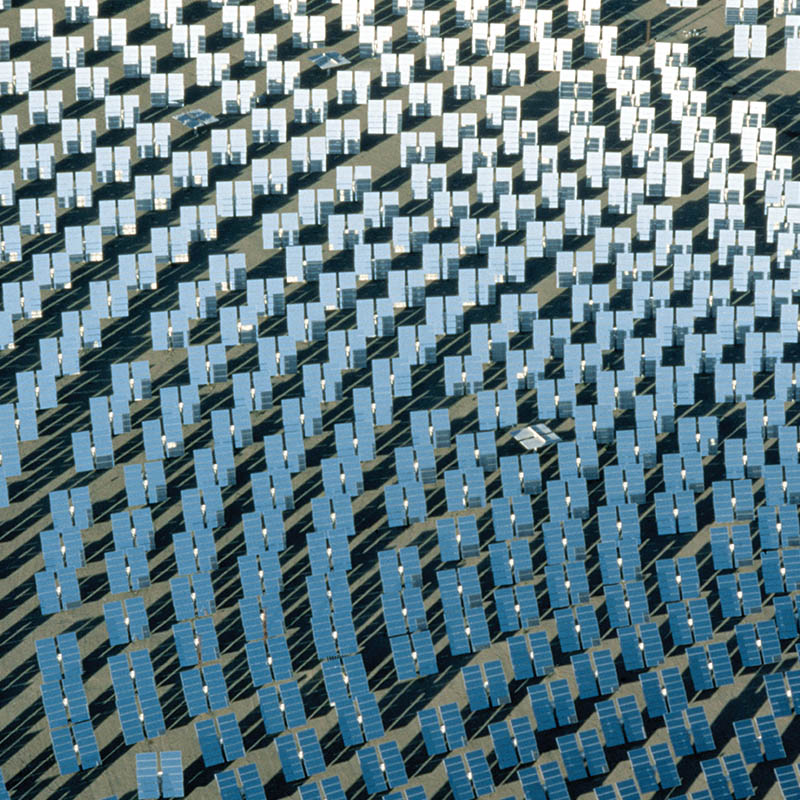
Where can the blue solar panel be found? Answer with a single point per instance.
(217, 689)
(270, 707)
(127, 707)
(679, 624)
(457, 776)
(583, 668)
(593, 752)
(183, 634)
(770, 645)
(148, 696)
(454, 725)
(193, 694)
(447, 538)
(737, 772)
(473, 683)
(701, 731)
(292, 700)
(563, 702)
(668, 776)
(87, 745)
(403, 660)
(770, 738)
(532, 787)
(231, 736)
(630, 647)
(632, 720)
(313, 759)
(751, 592)
(76, 698)
(499, 560)
(208, 738)
(720, 663)
(426, 655)
(702, 628)
(47, 659)
(147, 776)
(291, 764)
(643, 771)
(749, 743)
(572, 757)
(49, 602)
(556, 586)
(715, 778)
(554, 781)
(525, 739)
(348, 723)
(651, 688)
(63, 749)
(53, 701)
(607, 678)
(497, 684)
(589, 627)
(698, 668)
(521, 657)
(172, 773)
(504, 749)
(678, 733)
(481, 775)
(332, 788)
(779, 698)
(431, 731)
(610, 723)
(227, 786)
(371, 770)
(542, 707)
(567, 633)
(676, 691)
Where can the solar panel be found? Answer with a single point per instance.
(543, 710)
(147, 775)
(572, 757)
(737, 772)
(532, 786)
(563, 702)
(497, 685)
(431, 731)
(720, 663)
(643, 771)
(610, 723)
(291, 764)
(651, 688)
(699, 669)
(700, 619)
(473, 683)
(770, 738)
(525, 739)
(457, 777)
(567, 633)
(701, 731)
(668, 776)
(454, 725)
(231, 736)
(480, 773)
(208, 740)
(593, 752)
(127, 707)
(748, 740)
(770, 645)
(371, 768)
(148, 696)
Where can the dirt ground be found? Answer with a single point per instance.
(26, 756)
